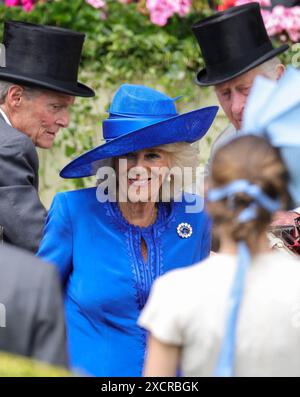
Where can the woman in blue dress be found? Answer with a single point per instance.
(111, 242)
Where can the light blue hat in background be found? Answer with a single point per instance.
(273, 111)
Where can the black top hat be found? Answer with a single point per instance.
(43, 56)
(233, 42)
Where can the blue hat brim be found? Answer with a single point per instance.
(187, 127)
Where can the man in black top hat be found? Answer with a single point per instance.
(38, 84)
(236, 49)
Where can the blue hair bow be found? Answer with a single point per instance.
(273, 111)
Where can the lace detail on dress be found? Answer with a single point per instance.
(137, 266)
(144, 273)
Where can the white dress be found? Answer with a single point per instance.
(187, 308)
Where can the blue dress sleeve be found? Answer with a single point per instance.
(57, 243)
(207, 236)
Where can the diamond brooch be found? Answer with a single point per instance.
(184, 230)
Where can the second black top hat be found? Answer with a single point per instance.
(233, 42)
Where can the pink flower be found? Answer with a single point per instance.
(11, 3)
(184, 7)
(27, 5)
(162, 10)
(280, 20)
(96, 3)
(283, 19)
(159, 18)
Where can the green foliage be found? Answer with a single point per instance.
(17, 366)
(123, 47)
(126, 43)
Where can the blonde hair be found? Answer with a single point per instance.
(183, 155)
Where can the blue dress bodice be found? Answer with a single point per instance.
(106, 279)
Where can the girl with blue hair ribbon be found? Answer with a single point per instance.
(235, 313)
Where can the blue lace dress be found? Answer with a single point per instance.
(105, 278)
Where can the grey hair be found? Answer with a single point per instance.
(269, 68)
(30, 92)
(182, 155)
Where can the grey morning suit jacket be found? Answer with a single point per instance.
(22, 214)
(31, 308)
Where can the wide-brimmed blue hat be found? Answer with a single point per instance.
(140, 118)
